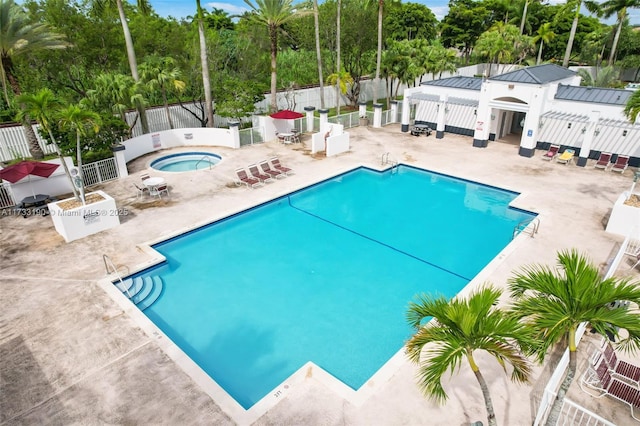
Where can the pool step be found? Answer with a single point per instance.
(143, 292)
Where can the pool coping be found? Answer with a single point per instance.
(309, 370)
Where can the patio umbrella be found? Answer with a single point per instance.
(286, 114)
(24, 169)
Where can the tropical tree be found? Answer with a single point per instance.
(619, 8)
(19, 36)
(554, 302)
(316, 27)
(42, 107)
(204, 63)
(144, 7)
(341, 82)
(544, 35)
(81, 121)
(523, 21)
(502, 43)
(162, 73)
(632, 108)
(273, 14)
(458, 328)
(604, 77)
(338, 44)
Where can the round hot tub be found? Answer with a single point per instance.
(186, 161)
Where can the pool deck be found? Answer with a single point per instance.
(72, 355)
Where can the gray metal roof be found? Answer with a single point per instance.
(539, 74)
(456, 82)
(596, 95)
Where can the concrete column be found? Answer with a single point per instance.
(406, 110)
(377, 115)
(362, 109)
(121, 163)
(394, 112)
(442, 113)
(483, 119)
(309, 118)
(531, 126)
(234, 127)
(324, 116)
(589, 134)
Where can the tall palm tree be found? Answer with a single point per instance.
(619, 8)
(81, 121)
(42, 107)
(273, 14)
(316, 24)
(459, 328)
(574, 6)
(523, 21)
(544, 35)
(162, 73)
(204, 63)
(19, 36)
(554, 302)
(143, 6)
(338, 26)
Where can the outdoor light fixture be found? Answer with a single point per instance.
(624, 133)
(569, 126)
(597, 132)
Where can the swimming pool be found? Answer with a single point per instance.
(324, 274)
(186, 161)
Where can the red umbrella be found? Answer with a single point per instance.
(286, 114)
(23, 169)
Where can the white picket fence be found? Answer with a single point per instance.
(100, 171)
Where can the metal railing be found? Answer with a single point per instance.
(100, 171)
(108, 263)
(6, 196)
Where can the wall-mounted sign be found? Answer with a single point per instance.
(155, 140)
(529, 132)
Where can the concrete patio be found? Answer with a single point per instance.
(71, 355)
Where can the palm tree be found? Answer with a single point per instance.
(632, 108)
(273, 14)
(554, 302)
(337, 74)
(143, 6)
(19, 36)
(523, 21)
(318, 52)
(619, 8)
(42, 107)
(604, 77)
(204, 63)
(544, 35)
(162, 73)
(458, 328)
(574, 7)
(79, 120)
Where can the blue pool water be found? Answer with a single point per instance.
(325, 274)
(186, 161)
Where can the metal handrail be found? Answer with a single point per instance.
(205, 157)
(107, 262)
(524, 224)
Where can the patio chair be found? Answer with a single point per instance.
(144, 176)
(599, 379)
(603, 161)
(264, 165)
(566, 157)
(551, 153)
(276, 165)
(253, 170)
(621, 164)
(245, 179)
(160, 189)
(141, 190)
(619, 369)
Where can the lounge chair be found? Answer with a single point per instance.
(621, 164)
(599, 379)
(619, 369)
(264, 165)
(566, 157)
(551, 154)
(243, 178)
(253, 170)
(603, 161)
(276, 165)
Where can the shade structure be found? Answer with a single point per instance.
(286, 114)
(23, 169)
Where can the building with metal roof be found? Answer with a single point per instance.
(541, 105)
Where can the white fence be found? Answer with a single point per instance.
(6, 196)
(100, 171)
(13, 143)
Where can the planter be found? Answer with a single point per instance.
(74, 222)
(364, 121)
(625, 217)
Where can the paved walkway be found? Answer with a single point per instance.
(71, 355)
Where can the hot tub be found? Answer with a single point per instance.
(186, 161)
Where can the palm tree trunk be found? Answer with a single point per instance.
(339, 6)
(540, 53)
(524, 16)
(79, 161)
(554, 413)
(273, 36)
(204, 63)
(376, 80)
(318, 51)
(64, 163)
(616, 38)
(572, 36)
(166, 106)
(491, 415)
(133, 63)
